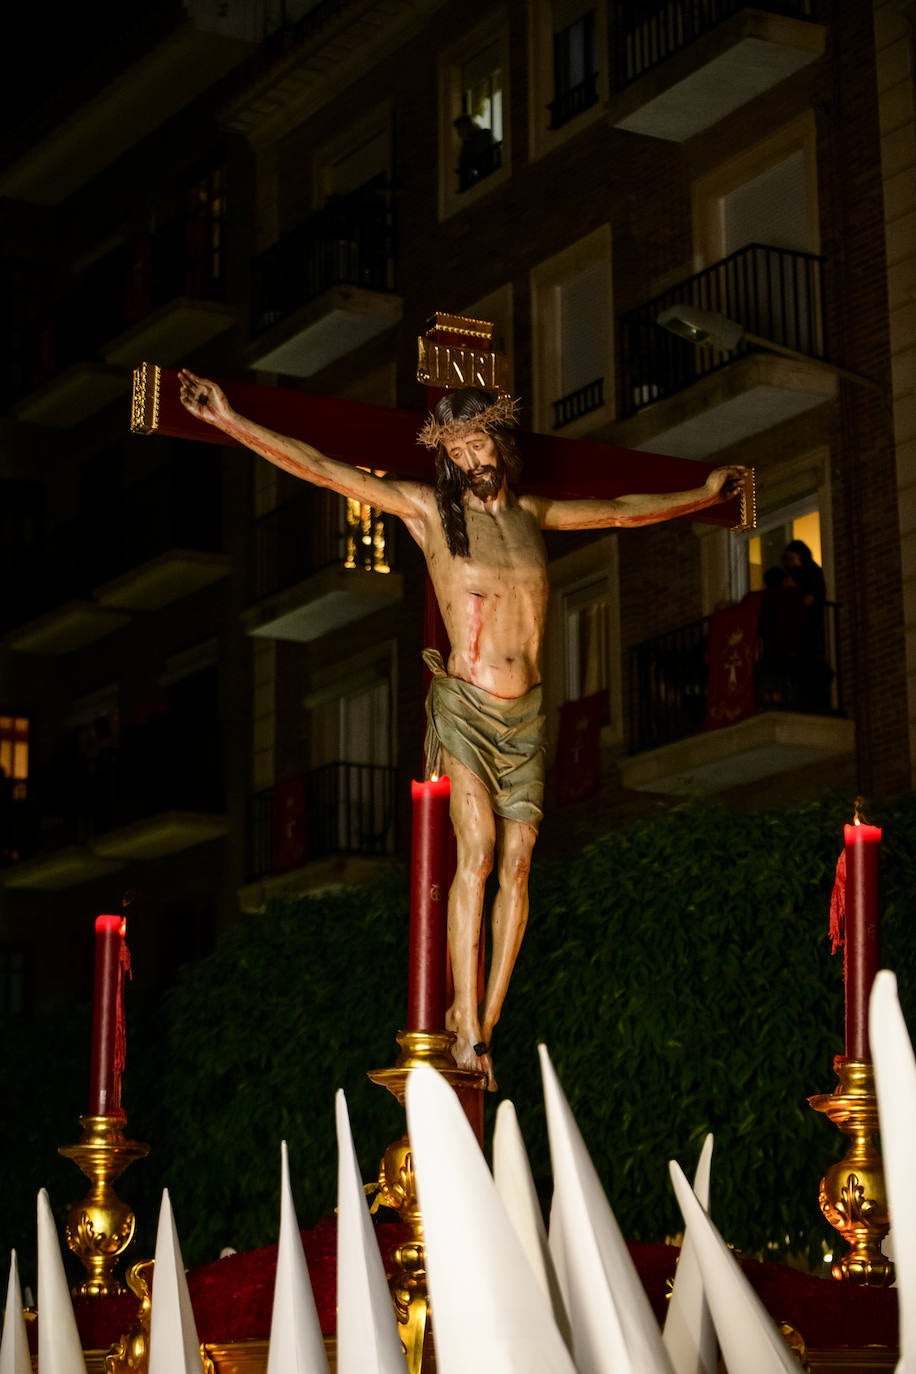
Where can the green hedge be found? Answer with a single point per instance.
(679, 972)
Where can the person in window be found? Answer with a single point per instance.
(478, 151)
(793, 672)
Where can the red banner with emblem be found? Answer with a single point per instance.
(734, 645)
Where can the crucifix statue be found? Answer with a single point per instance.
(480, 533)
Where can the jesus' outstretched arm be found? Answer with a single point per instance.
(722, 484)
(207, 402)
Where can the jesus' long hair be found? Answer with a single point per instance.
(451, 482)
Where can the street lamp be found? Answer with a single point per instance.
(709, 329)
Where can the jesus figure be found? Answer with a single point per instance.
(481, 538)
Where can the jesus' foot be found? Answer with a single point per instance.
(469, 1051)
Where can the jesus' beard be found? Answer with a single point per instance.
(485, 483)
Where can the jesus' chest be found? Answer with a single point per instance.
(506, 549)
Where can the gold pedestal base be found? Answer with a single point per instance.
(100, 1228)
(396, 1187)
(852, 1194)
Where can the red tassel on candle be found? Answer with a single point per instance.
(838, 905)
(120, 1044)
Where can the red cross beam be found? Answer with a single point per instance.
(385, 439)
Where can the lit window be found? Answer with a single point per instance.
(473, 115)
(761, 550)
(365, 534)
(14, 753)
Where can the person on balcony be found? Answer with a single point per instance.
(478, 151)
(486, 559)
(793, 671)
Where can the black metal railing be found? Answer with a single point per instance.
(579, 402)
(312, 530)
(775, 293)
(569, 103)
(350, 242)
(120, 527)
(669, 679)
(98, 783)
(342, 808)
(648, 32)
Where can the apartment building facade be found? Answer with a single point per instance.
(210, 681)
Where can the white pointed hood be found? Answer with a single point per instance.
(750, 1339)
(484, 1294)
(515, 1185)
(59, 1348)
(613, 1326)
(367, 1334)
(895, 1083)
(174, 1347)
(296, 1344)
(689, 1334)
(14, 1344)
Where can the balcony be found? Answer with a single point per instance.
(166, 542)
(787, 709)
(691, 401)
(50, 609)
(142, 547)
(583, 401)
(681, 66)
(326, 287)
(159, 295)
(318, 562)
(105, 802)
(331, 827)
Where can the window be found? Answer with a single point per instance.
(573, 351)
(365, 811)
(586, 623)
(765, 194)
(14, 754)
(473, 110)
(759, 550)
(582, 641)
(575, 69)
(568, 69)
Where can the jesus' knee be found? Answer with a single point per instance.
(475, 858)
(515, 859)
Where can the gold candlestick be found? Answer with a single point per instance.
(100, 1228)
(396, 1186)
(852, 1194)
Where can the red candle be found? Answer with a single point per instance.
(428, 904)
(860, 955)
(112, 964)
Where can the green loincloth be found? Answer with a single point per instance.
(500, 739)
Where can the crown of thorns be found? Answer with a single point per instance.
(500, 414)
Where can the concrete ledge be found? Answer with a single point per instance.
(765, 744)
